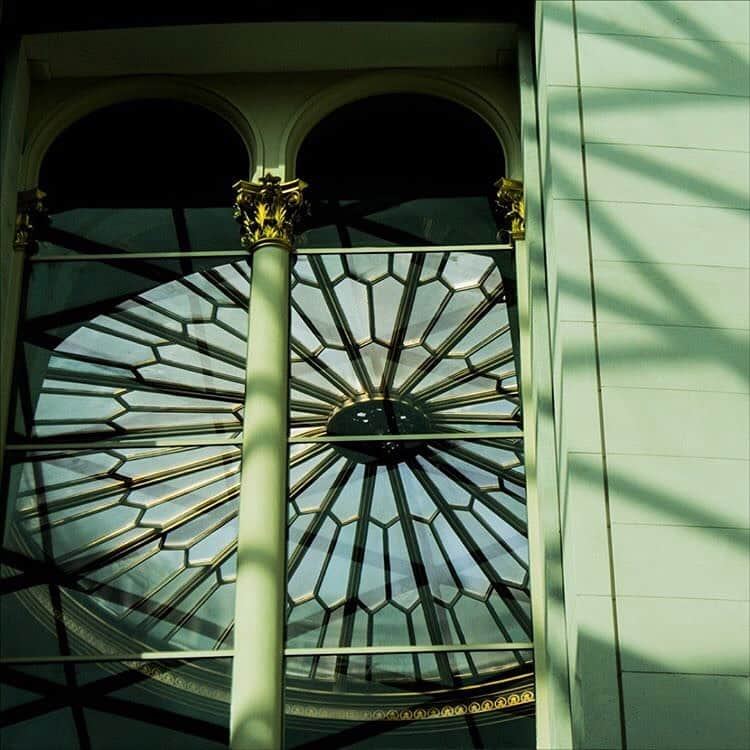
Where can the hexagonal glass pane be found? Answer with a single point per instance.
(133, 348)
(404, 343)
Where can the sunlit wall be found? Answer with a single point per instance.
(644, 139)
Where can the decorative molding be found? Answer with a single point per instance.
(30, 216)
(164, 672)
(473, 96)
(269, 210)
(503, 702)
(47, 127)
(510, 200)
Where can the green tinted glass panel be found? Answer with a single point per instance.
(212, 228)
(109, 230)
(463, 220)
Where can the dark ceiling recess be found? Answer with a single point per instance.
(28, 16)
(145, 153)
(400, 144)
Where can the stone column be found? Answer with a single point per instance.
(267, 212)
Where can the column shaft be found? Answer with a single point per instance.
(257, 681)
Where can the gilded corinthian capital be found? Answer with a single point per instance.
(510, 200)
(30, 215)
(269, 210)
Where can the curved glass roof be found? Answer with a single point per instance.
(428, 330)
(414, 540)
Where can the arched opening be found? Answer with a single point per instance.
(127, 186)
(144, 175)
(376, 340)
(153, 350)
(400, 169)
(148, 176)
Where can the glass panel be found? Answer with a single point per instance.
(389, 712)
(120, 550)
(404, 343)
(459, 220)
(117, 706)
(397, 190)
(109, 230)
(444, 221)
(423, 544)
(136, 348)
(323, 236)
(212, 229)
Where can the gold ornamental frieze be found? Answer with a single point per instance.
(510, 700)
(269, 210)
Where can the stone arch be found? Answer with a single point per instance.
(393, 82)
(127, 89)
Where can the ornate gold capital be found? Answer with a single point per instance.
(510, 201)
(269, 210)
(30, 214)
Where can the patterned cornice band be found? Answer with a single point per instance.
(505, 701)
(30, 214)
(269, 210)
(510, 201)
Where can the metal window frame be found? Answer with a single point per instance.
(244, 583)
(553, 703)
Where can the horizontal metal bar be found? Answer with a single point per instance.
(399, 249)
(235, 253)
(91, 658)
(385, 250)
(141, 256)
(196, 442)
(416, 436)
(430, 649)
(14, 661)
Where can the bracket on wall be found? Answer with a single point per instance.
(509, 200)
(31, 215)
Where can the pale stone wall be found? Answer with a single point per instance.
(644, 134)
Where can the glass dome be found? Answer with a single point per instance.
(416, 536)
